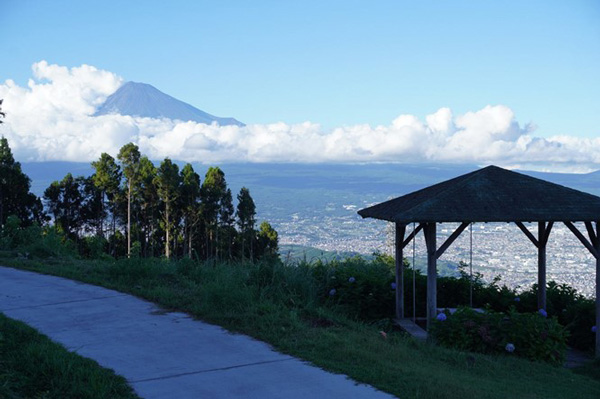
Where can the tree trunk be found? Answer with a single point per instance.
(217, 242)
(252, 247)
(243, 246)
(190, 243)
(129, 218)
(167, 225)
(2, 208)
(114, 232)
(103, 206)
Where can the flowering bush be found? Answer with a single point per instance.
(528, 335)
(360, 288)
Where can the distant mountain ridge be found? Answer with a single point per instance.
(141, 99)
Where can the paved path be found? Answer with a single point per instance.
(163, 354)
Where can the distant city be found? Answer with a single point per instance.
(499, 249)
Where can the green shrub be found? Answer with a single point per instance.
(362, 289)
(528, 335)
(93, 247)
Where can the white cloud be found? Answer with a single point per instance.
(52, 119)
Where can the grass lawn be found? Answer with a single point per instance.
(32, 366)
(278, 304)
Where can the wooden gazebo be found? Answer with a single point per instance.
(490, 194)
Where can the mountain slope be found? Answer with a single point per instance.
(141, 99)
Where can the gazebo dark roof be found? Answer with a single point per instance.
(490, 194)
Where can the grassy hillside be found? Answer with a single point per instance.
(282, 305)
(32, 366)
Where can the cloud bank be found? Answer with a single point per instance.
(51, 119)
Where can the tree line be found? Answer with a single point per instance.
(130, 207)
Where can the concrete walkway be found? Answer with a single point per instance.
(163, 354)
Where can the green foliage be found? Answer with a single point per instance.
(246, 219)
(163, 210)
(168, 184)
(32, 366)
(129, 156)
(65, 201)
(12, 234)
(190, 203)
(528, 335)
(94, 247)
(107, 176)
(362, 289)
(34, 241)
(268, 240)
(15, 198)
(149, 207)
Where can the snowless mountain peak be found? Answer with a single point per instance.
(142, 99)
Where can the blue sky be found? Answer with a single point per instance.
(513, 83)
(330, 62)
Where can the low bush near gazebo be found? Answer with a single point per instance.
(365, 289)
(530, 335)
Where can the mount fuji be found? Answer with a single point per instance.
(141, 99)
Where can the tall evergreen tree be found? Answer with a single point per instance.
(65, 200)
(246, 219)
(15, 198)
(2, 114)
(213, 189)
(190, 203)
(93, 211)
(168, 183)
(149, 204)
(129, 156)
(107, 179)
(226, 220)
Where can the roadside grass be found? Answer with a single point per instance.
(32, 366)
(282, 305)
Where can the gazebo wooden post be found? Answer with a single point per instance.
(543, 234)
(399, 247)
(596, 244)
(541, 299)
(430, 233)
